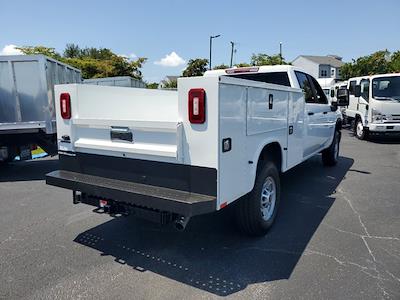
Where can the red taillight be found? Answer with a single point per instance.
(65, 106)
(197, 106)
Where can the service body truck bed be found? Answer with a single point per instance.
(27, 110)
(170, 155)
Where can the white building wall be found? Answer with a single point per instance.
(315, 69)
(308, 66)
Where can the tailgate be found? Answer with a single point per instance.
(122, 122)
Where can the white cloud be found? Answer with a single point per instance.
(10, 50)
(171, 60)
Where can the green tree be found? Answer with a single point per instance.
(221, 67)
(72, 51)
(170, 84)
(394, 64)
(93, 62)
(262, 59)
(376, 63)
(152, 85)
(347, 71)
(195, 67)
(48, 51)
(242, 65)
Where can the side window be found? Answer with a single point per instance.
(352, 87)
(365, 89)
(319, 93)
(305, 85)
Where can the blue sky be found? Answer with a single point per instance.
(155, 29)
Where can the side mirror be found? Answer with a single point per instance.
(357, 91)
(342, 97)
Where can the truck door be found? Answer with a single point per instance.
(296, 129)
(327, 118)
(363, 100)
(352, 107)
(314, 117)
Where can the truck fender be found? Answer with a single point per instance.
(274, 144)
(359, 116)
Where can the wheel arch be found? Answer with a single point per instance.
(359, 117)
(270, 150)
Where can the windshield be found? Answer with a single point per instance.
(386, 88)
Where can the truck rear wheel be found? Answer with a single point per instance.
(330, 156)
(256, 212)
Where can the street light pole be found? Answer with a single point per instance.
(211, 38)
(233, 47)
(280, 51)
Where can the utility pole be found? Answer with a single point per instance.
(211, 38)
(232, 50)
(280, 51)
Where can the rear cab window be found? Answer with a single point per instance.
(280, 78)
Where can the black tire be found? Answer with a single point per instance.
(360, 134)
(248, 213)
(330, 156)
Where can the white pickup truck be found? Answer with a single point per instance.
(219, 139)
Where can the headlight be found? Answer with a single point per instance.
(378, 117)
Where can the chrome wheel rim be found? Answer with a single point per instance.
(359, 129)
(268, 198)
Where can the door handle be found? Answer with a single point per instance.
(310, 113)
(270, 101)
(325, 112)
(121, 133)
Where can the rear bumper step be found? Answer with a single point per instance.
(153, 197)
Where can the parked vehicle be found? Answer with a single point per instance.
(219, 139)
(336, 90)
(374, 105)
(27, 112)
(125, 81)
(326, 85)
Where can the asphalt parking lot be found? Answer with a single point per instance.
(337, 236)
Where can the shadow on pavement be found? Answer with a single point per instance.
(34, 169)
(377, 139)
(210, 254)
(384, 139)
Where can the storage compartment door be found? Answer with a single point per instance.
(30, 89)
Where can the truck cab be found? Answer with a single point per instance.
(374, 104)
(220, 139)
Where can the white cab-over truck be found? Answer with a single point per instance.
(374, 105)
(219, 139)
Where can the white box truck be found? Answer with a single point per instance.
(27, 110)
(219, 139)
(374, 105)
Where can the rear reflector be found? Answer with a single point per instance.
(197, 106)
(242, 70)
(65, 106)
(103, 203)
